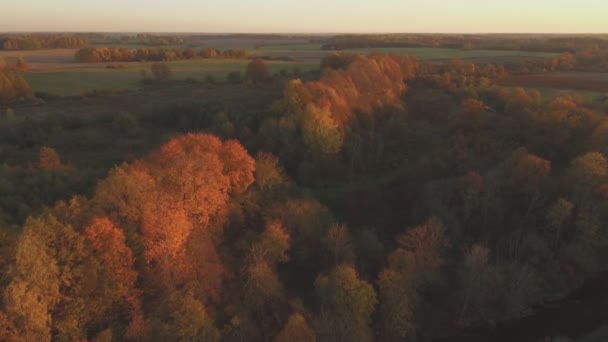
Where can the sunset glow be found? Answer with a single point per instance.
(314, 16)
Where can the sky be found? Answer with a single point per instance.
(306, 16)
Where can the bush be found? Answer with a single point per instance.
(9, 114)
(235, 77)
(48, 159)
(125, 122)
(257, 71)
(161, 72)
(209, 79)
(337, 60)
(46, 96)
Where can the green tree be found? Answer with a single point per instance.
(339, 246)
(481, 285)
(125, 122)
(257, 71)
(321, 133)
(557, 214)
(347, 304)
(161, 72)
(412, 267)
(235, 77)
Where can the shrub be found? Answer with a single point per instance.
(161, 72)
(257, 71)
(209, 79)
(235, 77)
(125, 122)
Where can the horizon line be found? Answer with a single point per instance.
(303, 33)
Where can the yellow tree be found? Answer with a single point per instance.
(49, 288)
(321, 133)
(347, 304)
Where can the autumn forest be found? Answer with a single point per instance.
(379, 196)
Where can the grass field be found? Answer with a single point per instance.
(55, 71)
(74, 81)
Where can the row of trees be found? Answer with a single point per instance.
(594, 60)
(40, 41)
(546, 43)
(120, 54)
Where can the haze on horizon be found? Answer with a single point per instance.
(313, 16)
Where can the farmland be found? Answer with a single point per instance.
(55, 71)
(75, 80)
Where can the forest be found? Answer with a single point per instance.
(378, 198)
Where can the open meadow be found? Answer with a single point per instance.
(127, 76)
(56, 72)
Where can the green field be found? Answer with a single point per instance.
(74, 81)
(57, 74)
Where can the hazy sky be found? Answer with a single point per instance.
(576, 16)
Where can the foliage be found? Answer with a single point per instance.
(389, 199)
(161, 72)
(257, 71)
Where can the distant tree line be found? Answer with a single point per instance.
(40, 41)
(138, 39)
(154, 40)
(595, 60)
(540, 43)
(119, 54)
